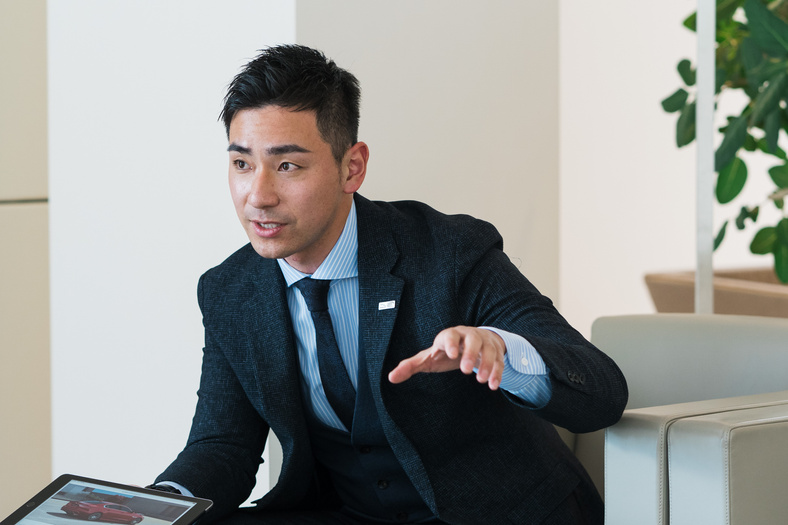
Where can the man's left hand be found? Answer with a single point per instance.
(459, 347)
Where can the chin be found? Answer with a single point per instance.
(267, 251)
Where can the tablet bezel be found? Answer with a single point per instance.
(198, 505)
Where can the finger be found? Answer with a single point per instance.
(489, 368)
(471, 354)
(430, 360)
(487, 359)
(488, 356)
(407, 368)
(497, 372)
(449, 341)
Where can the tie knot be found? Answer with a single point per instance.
(315, 292)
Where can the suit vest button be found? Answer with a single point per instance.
(383, 484)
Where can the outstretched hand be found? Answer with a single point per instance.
(459, 347)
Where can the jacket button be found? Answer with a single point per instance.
(383, 484)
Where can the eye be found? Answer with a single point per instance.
(240, 164)
(288, 166)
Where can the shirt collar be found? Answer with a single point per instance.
(342, 260)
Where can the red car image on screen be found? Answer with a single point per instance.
(102, 511)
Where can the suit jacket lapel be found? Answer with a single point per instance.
(379, 290)
(272, 353)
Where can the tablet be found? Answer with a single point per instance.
(76, 500)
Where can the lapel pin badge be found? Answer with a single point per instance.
(386, 305)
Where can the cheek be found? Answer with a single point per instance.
(238, 186)
(238, 192)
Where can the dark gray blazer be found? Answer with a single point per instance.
(476, 456)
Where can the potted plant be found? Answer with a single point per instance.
(751, 56)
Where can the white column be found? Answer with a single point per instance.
(706, 31)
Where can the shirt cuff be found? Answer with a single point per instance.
(525, 373)
(183, 490)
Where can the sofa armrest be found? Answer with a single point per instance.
(637, 454)
(729, 467)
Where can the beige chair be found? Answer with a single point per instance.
(684, 452)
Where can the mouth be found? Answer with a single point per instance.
(266, 229)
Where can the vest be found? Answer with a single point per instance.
(363, 468)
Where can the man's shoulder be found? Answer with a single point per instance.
(416, 221)
(237, 280)
(241, 258)
(243, 265)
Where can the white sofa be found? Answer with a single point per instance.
(705, 435)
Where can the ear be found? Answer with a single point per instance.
(355, 166)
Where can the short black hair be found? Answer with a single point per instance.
(302, 79)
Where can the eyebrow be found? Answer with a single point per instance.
(271, 151)
(285, 148)
(239, 149)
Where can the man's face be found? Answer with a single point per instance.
(289, 193)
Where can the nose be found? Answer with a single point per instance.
(263, 193)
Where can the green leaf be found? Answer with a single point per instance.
(731, 180)
(751, 58)
(779, 175)
(768, 31)
(687, 73)
(764, 241)
(769, 98)
(785, 120)
(750, 144)
(782, 231)
(676, 101)
(779, 203)
(781, 262)
(727, 8)
(764, 147)
(743, 214)
(685, 126)
(769, 69)
(735, 135)
(691, 22)
(720, 235)
(771, 126)
(720, 76)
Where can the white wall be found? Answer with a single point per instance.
(139, 209)
(627, 193)
(459, 108)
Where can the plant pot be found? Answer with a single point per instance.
(741, 292)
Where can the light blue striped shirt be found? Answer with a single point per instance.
(525, 374)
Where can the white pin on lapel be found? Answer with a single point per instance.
(386, 305)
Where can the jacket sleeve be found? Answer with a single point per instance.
(227, 437)
(589, 391)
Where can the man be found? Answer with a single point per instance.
(422, 388)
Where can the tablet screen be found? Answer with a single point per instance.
(75, 500)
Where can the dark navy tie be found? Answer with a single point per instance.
(336, 382)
